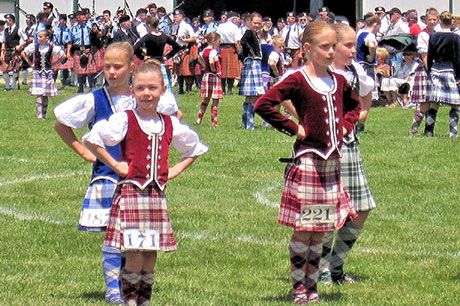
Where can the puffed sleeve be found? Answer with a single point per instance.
(58, 51)
(186, 140)
(76, 112)
(108, 132)
(366, 83)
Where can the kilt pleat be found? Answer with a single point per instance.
(43, 84)
(251, 83)
(312, 180)
(99, 195)
(68, 64)
(140, 209)
(229, 62)
(91, 67)
(211, 86)
(442, 86)
(418, 92)
(354, 178)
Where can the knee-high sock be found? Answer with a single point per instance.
(111, 265)
(44, 106)
(251, 114)
(418, 117)
(230, 85)
(214, 110)
(298, 251)
(312, 271)
(346, 238)
(129, 286)
(38, 106)
(244, 115)
(15, 79)
(145, 289)
(430, 121)
(6, 77)
(25, 74)
(326, 254)
(180, 82)
(453, 122)
(81, 82)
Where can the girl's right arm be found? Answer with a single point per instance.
(68, 136)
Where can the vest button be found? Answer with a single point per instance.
(325, 110)
(149, 148)
(149, 137)
(159, 157)
(327, 133)
(159, 147)
(327, 121)
(147, 176)
(159, 167)
(148, 157)
(337, 120)
(160, 138)
(328, 144)
(147, 167)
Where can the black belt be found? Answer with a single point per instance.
(227, 45)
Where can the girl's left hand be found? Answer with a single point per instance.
(345, 131)
(122, 169)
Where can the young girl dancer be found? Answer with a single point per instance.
(139, 224)
(352, 170)
(85, 110)
(314, 200)
(211, 86)
(43, 84)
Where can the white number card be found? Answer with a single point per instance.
(312, 214)
(141, 239)
(94, 217)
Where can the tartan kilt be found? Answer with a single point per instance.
(312, 180)
(354, 178)
(418, 92)
(265, 80)
(273, 80)
(99, 195)
(211, 86)
(229, 62)
(183, 68)
(251, 78)
(43, 84)
(141, 209)
(68, 64)
(99, 58)
(92, 63)
(442, 87)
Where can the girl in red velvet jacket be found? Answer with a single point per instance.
(139, 223)
(314, 200)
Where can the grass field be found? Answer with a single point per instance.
(231, 251)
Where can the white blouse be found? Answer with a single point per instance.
(79, 111)
(113, 131)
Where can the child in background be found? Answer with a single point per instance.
(276, 60)
(139, 224)
(352, 170)
(43, 84)
(267, 49)
(327, 109)
(211, 86)
(86, 110)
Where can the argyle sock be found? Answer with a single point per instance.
(418, 117)
(111, 264)
(145, 289)
(453, 122)
(244, 116)
(312, 268)
(214, 115)
(38, 106)
(326, 254)
(44, 106)
(129, 286)
(6, 77)
(298, 251)
(430, 122)
(250, 115)
(346, 238)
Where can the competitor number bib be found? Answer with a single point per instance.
(313, 214)
(94, 217)
(135, 239)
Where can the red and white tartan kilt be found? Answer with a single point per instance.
(211, 87)
(312, 180)
(183, 68)
(139, 209)
(418, 92)
(93, 60)
(68, 64)
(231, 67)
(43, 84)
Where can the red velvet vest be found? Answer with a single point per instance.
(146, 154)
(207, 67)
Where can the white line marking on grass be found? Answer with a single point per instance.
(26, 217)
(41, 177)
(12, 158)
(262, 198)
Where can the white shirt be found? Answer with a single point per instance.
(79, 111)
(229, 32)
(398, 28)
(113, 131)
(21, 32)
(141, 29)
(422, 42)
(294, 35)
(183, 30)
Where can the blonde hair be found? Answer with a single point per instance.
(124, 47)
(382, 53)
(446, 18)
(150, 65)
(342, 28)
(432, 12)
(278, 40)
(314, 29)
(212, 36)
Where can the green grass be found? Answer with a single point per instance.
(231, 251)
